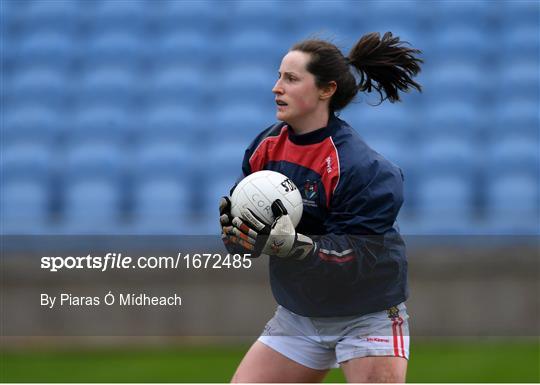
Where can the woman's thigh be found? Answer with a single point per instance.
(375, 369)
(263, 364)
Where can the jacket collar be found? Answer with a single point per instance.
(316, 136)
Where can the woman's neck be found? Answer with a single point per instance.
(311, 123)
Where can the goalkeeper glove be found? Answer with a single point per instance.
(228, 235)
(279, 239)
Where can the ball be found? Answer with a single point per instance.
(259, 190)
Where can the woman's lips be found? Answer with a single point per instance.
(281, 105)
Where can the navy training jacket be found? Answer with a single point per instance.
(352, 196)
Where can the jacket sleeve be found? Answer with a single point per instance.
(360, 222)
(246, 168)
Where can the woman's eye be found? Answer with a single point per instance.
(287, 78)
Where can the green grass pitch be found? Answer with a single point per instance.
(487, 361)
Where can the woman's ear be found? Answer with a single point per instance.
(327, 91)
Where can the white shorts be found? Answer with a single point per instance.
(324, 343)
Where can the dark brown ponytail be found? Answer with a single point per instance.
(385, 65)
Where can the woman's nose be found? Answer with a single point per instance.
(277, 88)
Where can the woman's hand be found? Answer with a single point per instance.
(279, 239)
(231, 237)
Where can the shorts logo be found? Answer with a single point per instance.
(397, 332)
(377, 339)
(393, 312)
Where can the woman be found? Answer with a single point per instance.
(340, 277)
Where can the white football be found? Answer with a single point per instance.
(259, 190)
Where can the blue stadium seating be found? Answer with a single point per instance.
(27, 160)
(512, 204)
(515, 117)
(239, 121)
(60, 15)
(519, 13)
(332, 20)
(382, 16)
(30, 123)
(247, 84)
(458, 81)
(221, 171)
(202, 15)
(163, 187)
(184, 47)
(109, 86)
(104, 124)
(445, 204)
(512, 185)
(513, 156)
(118, 48)
(92, 206)
(223, 166)
(171, 123)
(25, 196)
(150, 105)
(25, 207)
(9, 47)
(94, 160)
(91, 186)
(12, 12)
(520, 41)
(164, 157)
(43, 86)
(51, 49)
(475, 13)
(455, 42)
(448, 155)
(208, 217)
(256, 16)
(455, 118)
(445, 183)
(257, 47)
(383, 121)
(162, 206)
(174, 84)
(520, 78)
(127, 16)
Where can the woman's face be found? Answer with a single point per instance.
(295, 91)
